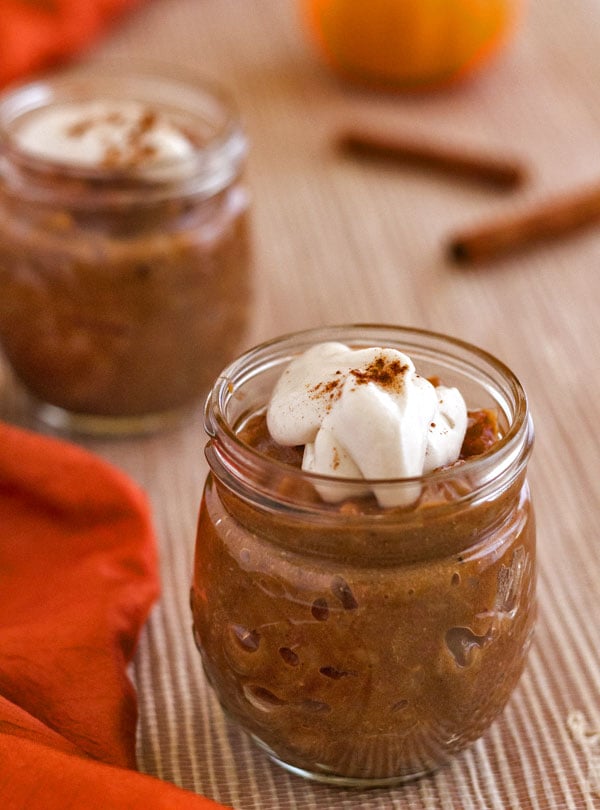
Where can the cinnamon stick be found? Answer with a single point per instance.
(550, 220)
(460, 162)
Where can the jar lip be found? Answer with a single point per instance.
(520, 430)
(198, 98)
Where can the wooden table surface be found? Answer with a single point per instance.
(338, 241)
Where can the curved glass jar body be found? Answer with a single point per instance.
(358, 645)
(123, 291)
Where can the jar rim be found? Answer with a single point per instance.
(212, 166)
(512, 450)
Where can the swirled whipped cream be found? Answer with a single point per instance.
(108, 134)
(366, 414)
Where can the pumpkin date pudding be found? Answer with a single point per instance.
(363, 592)
(124, 247)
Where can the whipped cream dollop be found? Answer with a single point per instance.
(366, 414)
(107, 134)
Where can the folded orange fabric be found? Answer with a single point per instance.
(35, 34)
(78, 576)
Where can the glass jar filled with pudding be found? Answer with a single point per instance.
(124, 248)
(363, 593)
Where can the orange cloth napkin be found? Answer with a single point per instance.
(78, 576)
(35, 34)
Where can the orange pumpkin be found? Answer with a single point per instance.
(410, 43)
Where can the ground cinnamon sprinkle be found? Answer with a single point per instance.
(147, 121)
(135, 149)
(387, 373)
(330, 390)
(79, 129)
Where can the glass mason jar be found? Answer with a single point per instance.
(124, 270)
(358, 645)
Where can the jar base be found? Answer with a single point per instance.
(64, 421)
(336, 780)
